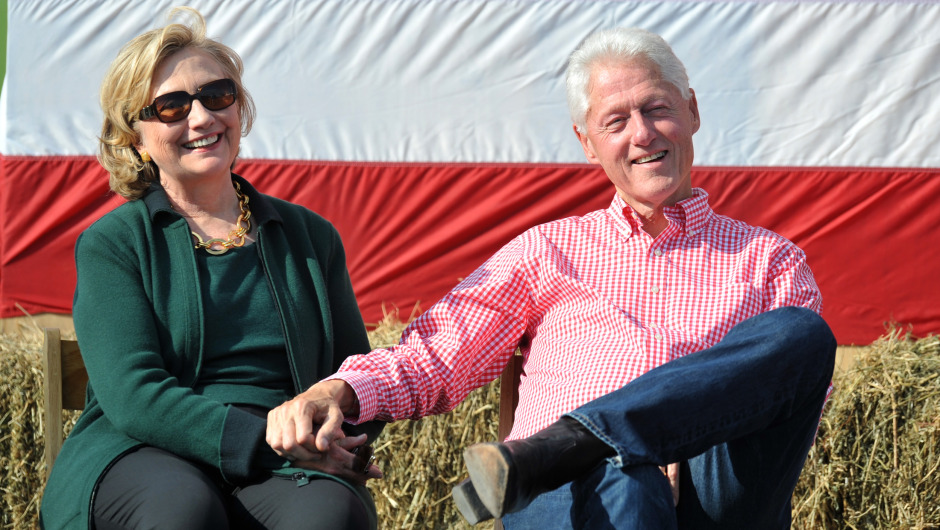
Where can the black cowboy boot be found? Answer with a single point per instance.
(506, 477)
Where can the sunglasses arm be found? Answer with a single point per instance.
(146, 113)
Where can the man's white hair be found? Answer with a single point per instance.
(619, 45)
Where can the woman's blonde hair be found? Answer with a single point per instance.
(126, 90)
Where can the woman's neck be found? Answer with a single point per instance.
(210, 207)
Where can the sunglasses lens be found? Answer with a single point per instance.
(175, 106)
(172, 107)
(217, 95)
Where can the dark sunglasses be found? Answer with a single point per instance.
(175, 106)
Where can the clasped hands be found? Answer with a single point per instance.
(307, 430)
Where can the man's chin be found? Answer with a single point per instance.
(663, 191)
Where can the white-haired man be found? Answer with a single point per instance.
(657, 335)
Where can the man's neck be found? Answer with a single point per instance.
(653, 223)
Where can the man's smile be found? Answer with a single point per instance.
(650, 158)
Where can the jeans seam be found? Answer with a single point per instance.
(616, 461)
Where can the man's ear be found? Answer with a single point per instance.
(586, 145)
(693, 107)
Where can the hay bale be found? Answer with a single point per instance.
(422, 460)
(21, 467)
(876, 462)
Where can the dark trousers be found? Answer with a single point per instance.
(151, 488)
(740, 416)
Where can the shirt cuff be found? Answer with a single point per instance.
(367, 394)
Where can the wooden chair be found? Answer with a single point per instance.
(508, 399)
(64, 382)
(509, 395)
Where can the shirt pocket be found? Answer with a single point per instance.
(706, 311)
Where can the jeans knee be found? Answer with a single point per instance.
(807, 329)
(811, 346)
(821, 334)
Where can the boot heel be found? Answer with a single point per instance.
(469, 503)
(489, 469)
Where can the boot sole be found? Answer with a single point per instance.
(469, 503)
(489, 472)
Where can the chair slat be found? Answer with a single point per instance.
(64, 383)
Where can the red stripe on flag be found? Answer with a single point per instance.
(413, 230)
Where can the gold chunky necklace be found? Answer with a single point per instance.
(236, 237)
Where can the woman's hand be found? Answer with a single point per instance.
(348, 458)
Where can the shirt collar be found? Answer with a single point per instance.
(690, 214)
(262, 210)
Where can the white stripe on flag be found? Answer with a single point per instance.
(778, 83)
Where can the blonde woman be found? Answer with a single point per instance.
(201, 304)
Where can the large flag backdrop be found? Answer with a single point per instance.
(432, 131)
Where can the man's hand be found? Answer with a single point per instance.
(672, 473)
(307, 430)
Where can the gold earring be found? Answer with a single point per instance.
(145, 156)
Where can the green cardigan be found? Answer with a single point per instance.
(140, 324)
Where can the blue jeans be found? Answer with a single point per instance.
(740, 417)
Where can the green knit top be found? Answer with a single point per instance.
(246, 361)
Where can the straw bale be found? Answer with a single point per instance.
(19, 418)
(21, 467)
(876, 464)
(876, 459)
(422, 460)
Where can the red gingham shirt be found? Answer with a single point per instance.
(593, 302)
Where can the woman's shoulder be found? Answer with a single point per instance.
(120, 219)
(268, 207)
(293, 213)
